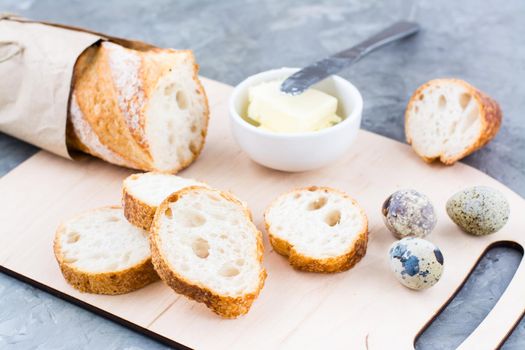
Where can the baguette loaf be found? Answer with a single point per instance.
(100, 252)
(205, 246)
(319, 229)
(143, 193)
(448, 119)
(141, 109)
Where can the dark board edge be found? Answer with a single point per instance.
(98, 311)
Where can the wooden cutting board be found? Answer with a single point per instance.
(362, 308)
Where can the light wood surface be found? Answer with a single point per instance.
(362, 308)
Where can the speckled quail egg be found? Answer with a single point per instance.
(416, 263)
(409, 213)
(479, 210)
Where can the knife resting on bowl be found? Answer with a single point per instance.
(306, 77)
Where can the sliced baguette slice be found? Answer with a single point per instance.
(143, 193)
(205, 246)
(448, 119)
(100, 252)
(319, 229)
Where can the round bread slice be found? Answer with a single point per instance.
(205, 246)
(101, 252)
(143, 193)
(319, 229)
(448, 119)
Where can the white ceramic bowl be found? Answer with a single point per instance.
(297, 151)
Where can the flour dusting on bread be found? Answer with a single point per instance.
(89, 138)
(148, 107)
(125, 66)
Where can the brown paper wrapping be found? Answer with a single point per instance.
(36, 68)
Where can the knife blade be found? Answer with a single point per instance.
(298, 82)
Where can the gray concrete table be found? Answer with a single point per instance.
(482, 42)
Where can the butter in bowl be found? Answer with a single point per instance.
(272, 110)
(294, 133)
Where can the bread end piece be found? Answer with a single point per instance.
(142, 109)
(222, 305)
(489, 111)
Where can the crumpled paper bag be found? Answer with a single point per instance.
(36, 70)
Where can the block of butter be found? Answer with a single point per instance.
(278, 112)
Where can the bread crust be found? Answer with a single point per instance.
(355, 252)
(110, 283)
(489, 110)
(97, 99)
(223, 305)
(97, 95)
(136, 211)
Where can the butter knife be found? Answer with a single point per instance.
(306, 77)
